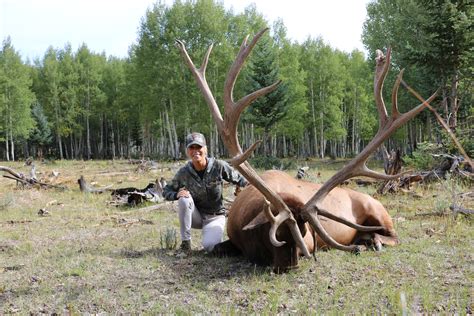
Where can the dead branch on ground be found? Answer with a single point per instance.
(449, 165)
(442, 123)
(25, 181)
(86, 188)
(131, 196)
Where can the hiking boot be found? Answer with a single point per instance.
(185, 245)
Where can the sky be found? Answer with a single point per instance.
(112, 25)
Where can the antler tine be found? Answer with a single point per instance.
(233, 110)
(284, 215)
(349, 223)
(275, 221)
(200, 77)
(405, 117)
(248, 99)
(228, 131)
(316, 224)
(366, 172)
(239, 159)
(244, 42)
(442, 122)
(395, 111)
(357, 166)
(237, 66)
(383, 64)
(234, 114)
(205, 61)
(184, 53)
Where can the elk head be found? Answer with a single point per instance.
(227, 127)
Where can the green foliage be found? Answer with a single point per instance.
(266, 111)
(41, 134)
(292, 124)
(268, 162)
(438, 50)
(59, 79)
(16, 97)
(422, 158)
(145, 104)
(358, 96)
(464, 133)
(265, 162)
(326, 73)
(466, 139)
(169, 238)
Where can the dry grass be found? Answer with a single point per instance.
(88, 257)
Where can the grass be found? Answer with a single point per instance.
(84, 257)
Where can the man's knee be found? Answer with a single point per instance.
(212, 234)
(185, 203)
(209, 245)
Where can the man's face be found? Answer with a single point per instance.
(197, 153)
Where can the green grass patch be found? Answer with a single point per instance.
(84, 257)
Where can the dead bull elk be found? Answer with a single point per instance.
(257, 214)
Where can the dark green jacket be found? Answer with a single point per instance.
(207, 192)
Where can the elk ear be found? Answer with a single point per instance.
(258, 220)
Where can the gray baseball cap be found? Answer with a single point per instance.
(195, 139)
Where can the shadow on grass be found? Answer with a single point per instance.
(197, 264)
(132, 253)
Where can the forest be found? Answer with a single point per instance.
(87, 105)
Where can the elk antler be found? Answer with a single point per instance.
(227, 128)
(357, 166)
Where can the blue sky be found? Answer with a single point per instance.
(111, 25)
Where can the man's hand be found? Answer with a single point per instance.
(183, 192)
(237, 190)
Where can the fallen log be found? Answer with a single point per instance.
(153, 192)
(86, 188)
(460, 210)
(28, 181)
(392, 165)
(449, 165)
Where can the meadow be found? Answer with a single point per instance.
(82, 254)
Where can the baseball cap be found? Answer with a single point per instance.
(195, 139)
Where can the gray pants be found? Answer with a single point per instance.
(189, 217)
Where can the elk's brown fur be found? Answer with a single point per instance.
(254, 243)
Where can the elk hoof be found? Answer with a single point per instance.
(357, 250)
(378, 245)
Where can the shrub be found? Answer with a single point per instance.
(168, 239)
(422, 158)
(265, 162)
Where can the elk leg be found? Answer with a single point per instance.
(375, 240)
(367, 240)
(385, 240)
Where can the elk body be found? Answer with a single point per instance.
(271, 198)
(254, 243)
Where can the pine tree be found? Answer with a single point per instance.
(41, 134)
(266, 111)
